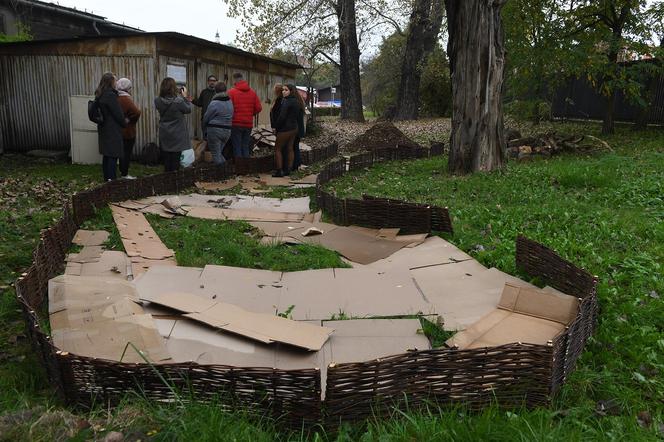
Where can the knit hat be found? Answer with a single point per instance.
(123, 84)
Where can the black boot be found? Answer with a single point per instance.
(278, 173)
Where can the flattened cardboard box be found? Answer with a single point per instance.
(258, 326)
(524, 314)
(242, 214)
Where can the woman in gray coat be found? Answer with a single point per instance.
(217, 122)
(110, 131)
(173, 133)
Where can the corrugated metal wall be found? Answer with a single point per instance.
(35, 90)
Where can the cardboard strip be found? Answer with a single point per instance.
(231, 318)
(87, 254)
(218, 186)
(244, 215)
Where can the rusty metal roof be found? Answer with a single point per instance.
(173, 35)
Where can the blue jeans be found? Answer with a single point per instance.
(216, 138)
(241, 138)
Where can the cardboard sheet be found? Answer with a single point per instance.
(80, 316)
(90, 237)
(159, 279)
(244, 215)
(433, 251)
(87, 254)
(111, 340)
(286, 205)
(218, 186)
(523, 315)
(257, 326)
(328, 293)
(138, 237)
(355, 246)
(368, 339)
(67, 291)
(462, 292)
(111, 264)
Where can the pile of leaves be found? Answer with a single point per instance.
(382, 134)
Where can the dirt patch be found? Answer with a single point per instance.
(382, 134)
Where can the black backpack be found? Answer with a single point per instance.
(94, 112)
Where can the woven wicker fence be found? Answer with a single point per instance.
(380, 212)
(511, 374)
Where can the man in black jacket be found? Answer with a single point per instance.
(203, 100)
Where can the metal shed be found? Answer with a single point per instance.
(37, 78)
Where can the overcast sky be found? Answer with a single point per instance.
(200, 18)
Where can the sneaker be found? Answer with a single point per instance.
(277, 174)
(128, 177)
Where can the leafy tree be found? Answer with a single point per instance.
(381, 79)
(23, 34)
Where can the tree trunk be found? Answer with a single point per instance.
(477, 62)
(423, 30)
(349, 52)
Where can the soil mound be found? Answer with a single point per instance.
(382, 134)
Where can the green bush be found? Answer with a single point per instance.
(327, 111)
(530, 110)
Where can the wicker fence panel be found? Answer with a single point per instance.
(539, 260)
(511, 375)
(294, 395)
(360, 161)
(379, 213)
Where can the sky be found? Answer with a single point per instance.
(200, 18)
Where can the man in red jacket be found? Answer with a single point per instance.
(245, 106)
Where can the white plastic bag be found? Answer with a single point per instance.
(187, 158)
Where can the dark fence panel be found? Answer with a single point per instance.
(578, 99)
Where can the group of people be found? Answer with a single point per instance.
(226, 115)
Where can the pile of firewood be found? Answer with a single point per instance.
(551, 144)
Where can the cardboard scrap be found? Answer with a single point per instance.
(257, 326)
(90, 237)
(286, 205)
(523, 315)
(174, 205)
(311, 231)
(433, 251)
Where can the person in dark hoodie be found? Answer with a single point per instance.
(204, 98)
(217, 122)
(286, 128)
(172, 105)
(246, 105)
(110, 131)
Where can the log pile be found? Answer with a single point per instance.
(548, 144)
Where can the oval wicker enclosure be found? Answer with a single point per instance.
(512, 375)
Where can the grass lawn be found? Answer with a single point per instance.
(604, 212)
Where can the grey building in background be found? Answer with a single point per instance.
(45, 21)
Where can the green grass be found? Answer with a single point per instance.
(604, 212)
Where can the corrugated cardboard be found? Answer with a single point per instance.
(67, 291)
(110, 340)
(368, 339)
(523, 315)
(245, 215)
(138, 237)
(111, 264)
(87, 254)
(286, 205)
(231, 318)
(433, 251)
(90, 237)
(462, 292)
(159, 279)
(218, 186)
(324, 294)
(85, 316)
